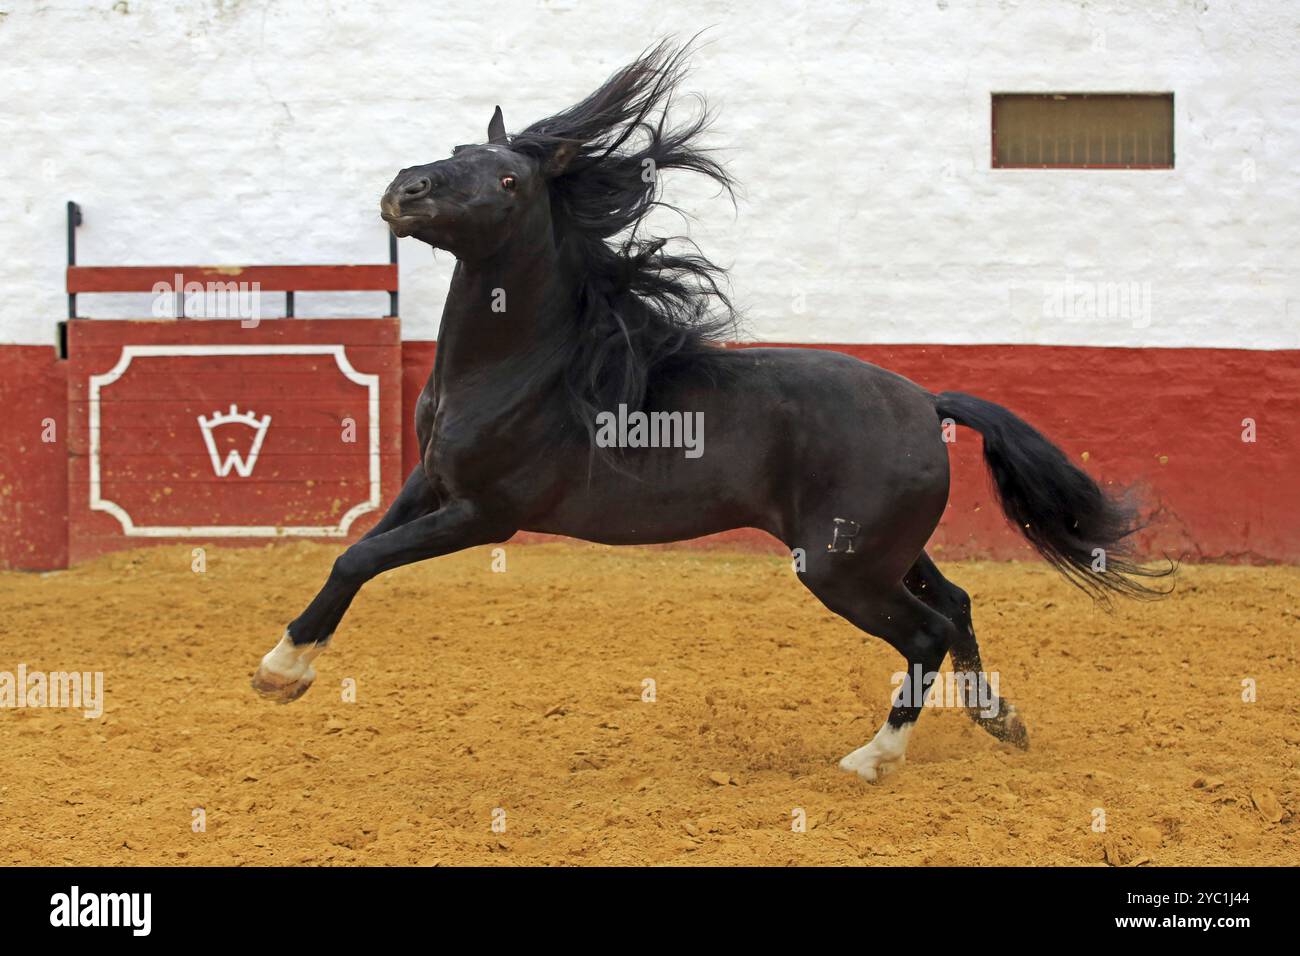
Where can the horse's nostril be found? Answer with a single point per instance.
(417, 188)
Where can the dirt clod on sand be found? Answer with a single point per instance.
(631, 706)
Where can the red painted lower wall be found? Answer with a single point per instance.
(33, 471)
(1167, 421)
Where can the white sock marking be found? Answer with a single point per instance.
(887, 751)
(290, 662)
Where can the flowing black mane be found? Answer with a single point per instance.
(643, 310)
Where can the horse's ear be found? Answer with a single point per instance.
(560, 159)
(497, 129)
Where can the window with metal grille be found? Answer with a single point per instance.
(1083, 130)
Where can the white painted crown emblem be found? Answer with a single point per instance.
(243, 466)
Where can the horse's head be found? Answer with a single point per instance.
(472, 202)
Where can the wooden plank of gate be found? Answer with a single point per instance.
(171, 460)
(315, 278)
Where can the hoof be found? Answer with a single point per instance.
(885, 754)
(1006, 726)
(279, 689)
(1017, 733)
(286, 672)
(870, 767)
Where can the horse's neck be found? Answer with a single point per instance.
(507, 316)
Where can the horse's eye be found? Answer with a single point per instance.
(508, 183)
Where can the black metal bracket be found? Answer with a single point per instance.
(74, 220)
(61, 331)
(392, 257)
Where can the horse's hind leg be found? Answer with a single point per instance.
(994, 714)
(921, 634)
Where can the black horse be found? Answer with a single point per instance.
(553, 332)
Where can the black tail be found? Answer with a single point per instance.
(1068, 519)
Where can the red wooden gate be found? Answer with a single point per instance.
(206, 430)
(229, 429)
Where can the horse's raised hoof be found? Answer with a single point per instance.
(281, 690)
(286, 672)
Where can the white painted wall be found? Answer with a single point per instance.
(225, 131)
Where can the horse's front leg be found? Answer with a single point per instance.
(287, 671)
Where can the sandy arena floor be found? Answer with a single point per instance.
(523, 691)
